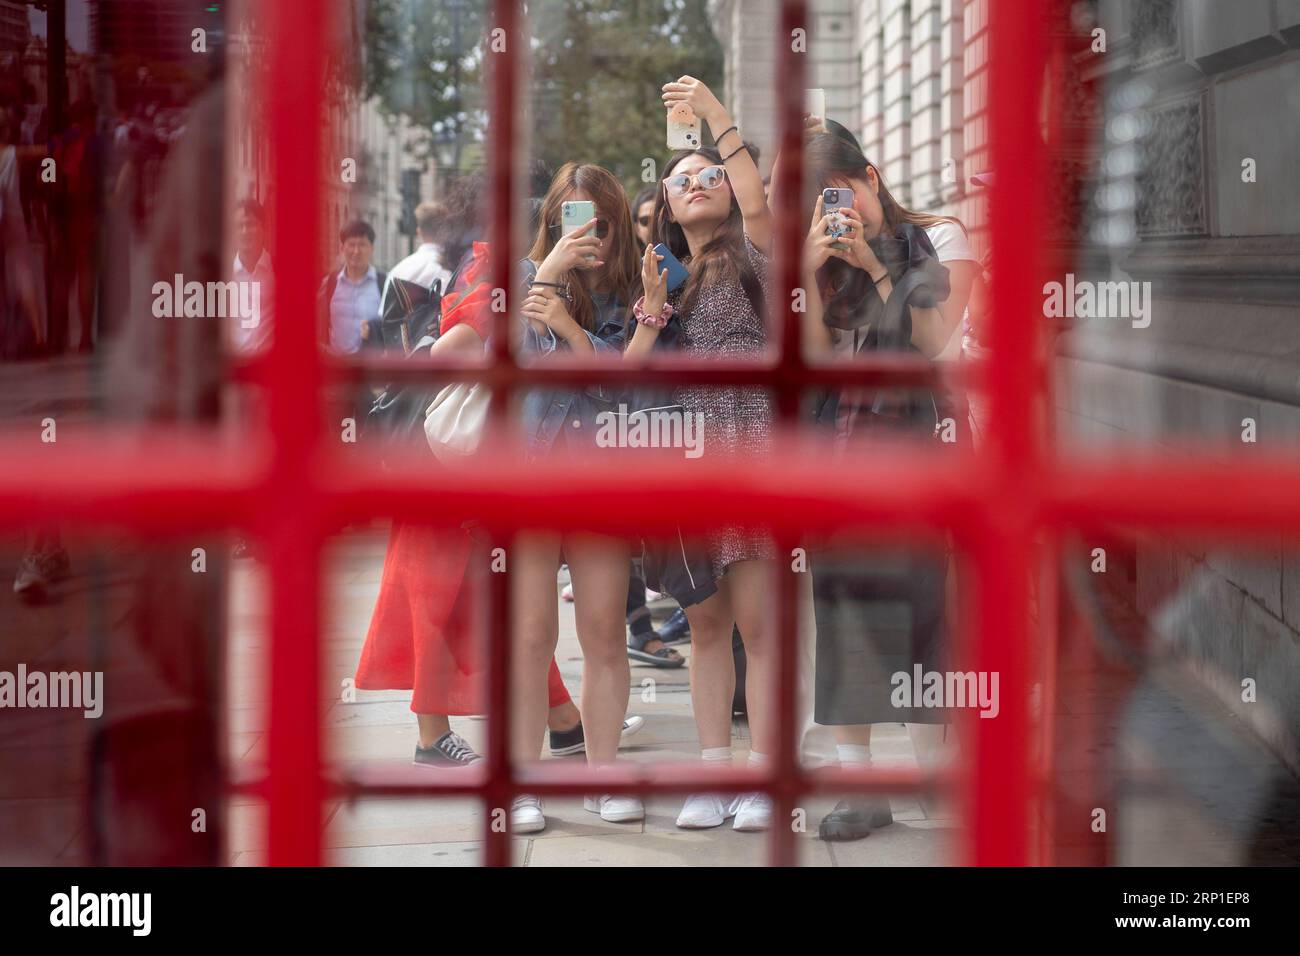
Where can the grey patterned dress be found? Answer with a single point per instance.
(737, 421)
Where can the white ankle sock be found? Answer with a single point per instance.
(757, 759)
(716, 755)
(853, 755)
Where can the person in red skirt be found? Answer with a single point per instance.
(422, 634)
(422, 638)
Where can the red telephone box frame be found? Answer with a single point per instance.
(294, 491)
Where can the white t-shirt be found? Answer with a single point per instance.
(951, 245)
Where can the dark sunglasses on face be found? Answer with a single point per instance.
(602, 230)
(710, 177)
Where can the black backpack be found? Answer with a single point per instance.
(410, 312)
(411, 320)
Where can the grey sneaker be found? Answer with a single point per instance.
(38, 570)
(450, 751)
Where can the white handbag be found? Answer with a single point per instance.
(455, 421)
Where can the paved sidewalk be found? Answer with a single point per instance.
(428, 832)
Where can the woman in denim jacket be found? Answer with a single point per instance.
(566, 414)
(579, 289)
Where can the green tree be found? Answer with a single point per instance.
(593, 92)
(424, 61)
(597, 71)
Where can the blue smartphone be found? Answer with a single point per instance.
(677, 273)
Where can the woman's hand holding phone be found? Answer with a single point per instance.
(700, 98)
(578, 250)
(820, 244)
(850, 245)
(853, 241)
(654, 281)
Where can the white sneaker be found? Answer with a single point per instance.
(526, 815)
(616, 809)
(630, 726)
(753, 812)
(704, 810)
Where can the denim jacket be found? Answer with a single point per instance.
(572, 412)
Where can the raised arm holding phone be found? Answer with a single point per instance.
(711, 216)
(743, 174)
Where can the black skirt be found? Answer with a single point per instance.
(876, 617)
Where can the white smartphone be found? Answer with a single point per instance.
(815, 103)
(683, 135)
(576, 214)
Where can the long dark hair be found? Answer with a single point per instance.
(838, 153)
(723, 257)
(621, 261)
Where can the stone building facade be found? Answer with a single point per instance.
(909, 77)
(1214, 227)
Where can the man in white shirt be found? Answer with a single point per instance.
(424, 266)
(252, 264)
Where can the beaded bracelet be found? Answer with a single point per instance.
(654, 321)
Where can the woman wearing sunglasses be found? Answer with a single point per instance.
(578, 289)
(643, 214)
(711, 212)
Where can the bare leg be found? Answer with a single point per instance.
(536, 630)
(432, 726)
(858, 735)
(750, 588)
(598, 567)
(713, 670)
